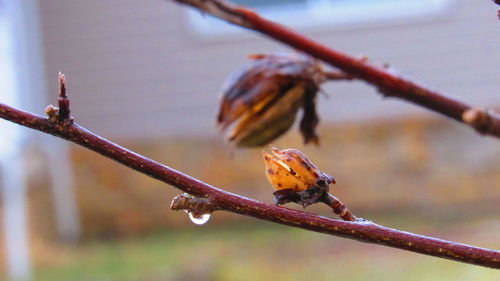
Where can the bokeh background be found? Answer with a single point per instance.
(147, 75)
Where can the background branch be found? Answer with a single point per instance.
(387, 83)
(363, 230)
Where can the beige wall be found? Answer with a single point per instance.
(135, 69)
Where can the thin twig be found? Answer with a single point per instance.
(365, 231)
(387, 83)
(195, 205)
(337, 75)
(338, 207)
(62, 100)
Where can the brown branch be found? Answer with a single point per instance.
(337, 75)
(360, 230)
(388, 84)
(498, 3)
(338, 207)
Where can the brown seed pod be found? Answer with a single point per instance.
(263, 98)
(295, 178)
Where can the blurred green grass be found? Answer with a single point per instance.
(262, 251)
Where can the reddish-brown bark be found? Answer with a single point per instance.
(219, 199)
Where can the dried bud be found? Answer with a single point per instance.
(264, 97)
(294, 177)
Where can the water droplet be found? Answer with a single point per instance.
(199, 220)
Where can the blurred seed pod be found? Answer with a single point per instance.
(263, 98)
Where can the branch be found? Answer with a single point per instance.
(498, 3)
(387, 83)
(217, 199)
(339, 208)
(337, 75)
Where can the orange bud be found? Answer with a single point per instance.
(290, 169)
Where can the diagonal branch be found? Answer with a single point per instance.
(498, 3)
(363, 231)
(387, 83)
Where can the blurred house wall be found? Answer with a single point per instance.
(137, 69)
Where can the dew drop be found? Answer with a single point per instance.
(199, 220)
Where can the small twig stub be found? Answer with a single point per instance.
(479, 119)
(194, 205)
(62, 100)
(60, 115)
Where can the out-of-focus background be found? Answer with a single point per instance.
(147, 75)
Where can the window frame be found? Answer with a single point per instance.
(322, 14)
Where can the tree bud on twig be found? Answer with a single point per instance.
(264, 97)
(296, 179)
